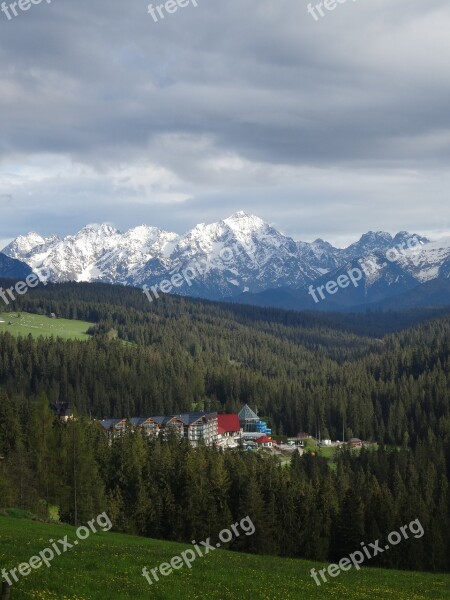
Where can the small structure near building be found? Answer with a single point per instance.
(355, 443)
(63, 410)
(264, 442)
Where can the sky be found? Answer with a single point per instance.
(324, 126)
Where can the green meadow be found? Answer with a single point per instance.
(23, 324)
(109, 565)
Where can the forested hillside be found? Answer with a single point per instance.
(301, 371)
(169, 490)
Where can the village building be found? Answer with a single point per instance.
(264, 442)
(198, 427)
(251, 424)
(229, 431)
(63, 410)
(114, 427)
(355, 443)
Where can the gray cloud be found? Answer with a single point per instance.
(323, 128)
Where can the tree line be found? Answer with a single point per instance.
(171, 491)
(177, 354)
(302, 372)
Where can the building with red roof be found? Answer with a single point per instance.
(229, 430)
(265, 442)
(228, 424)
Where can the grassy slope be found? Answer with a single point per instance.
(39, 325)
(108, 565)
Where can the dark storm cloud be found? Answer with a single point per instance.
(323, 128)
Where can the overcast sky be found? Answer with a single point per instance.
(323, 128)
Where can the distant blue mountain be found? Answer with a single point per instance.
(11, 268)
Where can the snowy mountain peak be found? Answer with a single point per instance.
(376, 236)
(320, 243)
(146, 234)
(24, 244)
(403, 237)
(98, 229)
(242, 252)
(372, 241)
(241, 221)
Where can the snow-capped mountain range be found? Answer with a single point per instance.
(239, 254)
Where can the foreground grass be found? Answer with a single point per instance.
(109, 565)
(38, 325)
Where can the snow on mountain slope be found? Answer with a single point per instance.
(238, 254)
(426, 261)
(136, 247)
(75, 257)
(95, 253)
(322, 254)
(24, 244)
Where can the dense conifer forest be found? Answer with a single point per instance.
(385, 376)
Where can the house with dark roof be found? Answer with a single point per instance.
(150, 425)
(355, 443)
(63, 410)
(196, 427)
(113, 427)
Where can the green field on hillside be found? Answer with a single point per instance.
(38, 325)
(108, 565)
(311, 445)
